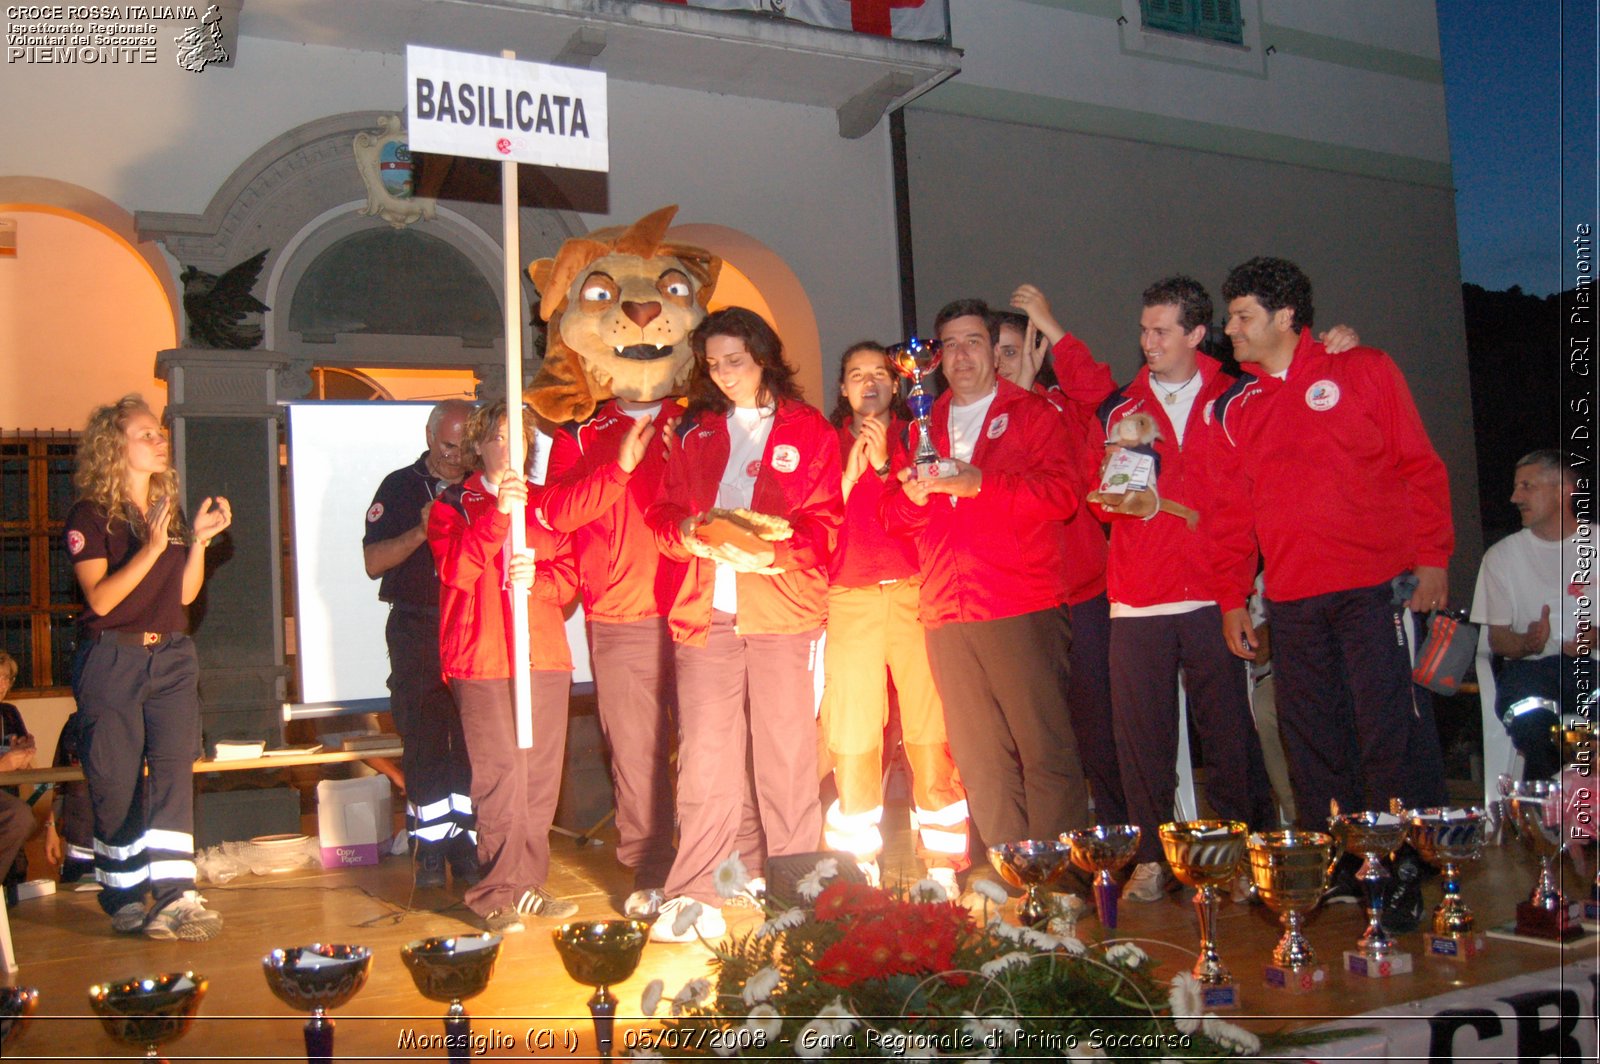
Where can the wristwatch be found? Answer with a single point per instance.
(882, 470)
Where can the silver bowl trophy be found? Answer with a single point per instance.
(1373, 836)
(16, 1005)
(1290, 871)
(916, 359)
(1447, 838)
(1100, 851)
(602, 953)
(1205, 855)
(151, 1012)
(1547, 913)
(451, 970)
(1034, 865)
(314, 979)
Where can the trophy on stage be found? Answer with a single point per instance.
(602, 953)
(1548, 913)
(149, 1012)
(1206, 854)
(314, 979)
(1033, 865)
(1101, 850)
(1447, 837)
(1289, 869)
(452, 970)
(914, 360)
(1373, 836)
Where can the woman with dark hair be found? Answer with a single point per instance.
(139, 564)
(745, 622)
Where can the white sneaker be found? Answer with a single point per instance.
(1148, 883)
(644, 904)
(946, 878)
(186, 918)
(686, 920)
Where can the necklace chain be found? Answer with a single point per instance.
(1171, 396)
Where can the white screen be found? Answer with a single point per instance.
(338, 455)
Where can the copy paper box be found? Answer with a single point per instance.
(354, 820)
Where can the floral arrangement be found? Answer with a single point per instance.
(910, 974)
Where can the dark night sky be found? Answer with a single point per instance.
(1520, 85)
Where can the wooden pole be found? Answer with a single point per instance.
(512, 241)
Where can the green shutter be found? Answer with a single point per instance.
(1219, 20)
(1174, 16)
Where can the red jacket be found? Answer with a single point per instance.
(999, 553)
(1332, 472)
(1085, 559)
(1161, 560)
(622, 573)
(799, 480)
(467, 534)
(866, 553)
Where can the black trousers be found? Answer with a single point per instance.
(438, 773)
(1090, 706)
(1146, 654)
(1353, 728)
(1004, 688)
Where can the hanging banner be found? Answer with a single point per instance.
(485, 107)
(909, 20)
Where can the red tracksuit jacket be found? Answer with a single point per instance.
(998, 554)
(467, 534)
(1331, 471)
(1161, 560)
(620, 570)
(867, 553)
(1077, 399)
(799, 480)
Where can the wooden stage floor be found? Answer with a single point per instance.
(64, 944)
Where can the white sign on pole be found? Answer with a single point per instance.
(486, 107)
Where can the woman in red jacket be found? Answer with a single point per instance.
(514, 790)
(744, 624)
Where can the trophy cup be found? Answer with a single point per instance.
(914, 360)
(1289, 869)
(16, 1005)
(1206, 854)
(1447, 837)
(601, 953)
(1032, 865)
(1372, 836)
(1099, 851)
(1548, 913)
(452, 970)
(149, 1012)
(314, 979)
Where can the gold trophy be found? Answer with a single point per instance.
(314, 979)
(16, 1005)
(1373, 836)
(149, 1012)
(1447, 837)
(452, 970)
(1547, 913)
(1290, 870)
(1032, 865)
(1100, 851)
(601, 953)
(1206, 854)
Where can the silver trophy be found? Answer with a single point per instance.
(1447, 838)
(314, 979)
(1033, 865)
(915, 360)
(1100, 851)
(1373, 836)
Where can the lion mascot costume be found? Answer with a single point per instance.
(620, 305)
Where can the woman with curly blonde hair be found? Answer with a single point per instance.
(139, 564)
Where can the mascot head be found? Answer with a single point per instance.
(621, 305)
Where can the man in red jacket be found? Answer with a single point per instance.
(1327, 466)
(989, 541)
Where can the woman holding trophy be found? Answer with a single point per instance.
(751, 502)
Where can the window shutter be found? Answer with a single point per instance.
(1219, 20)
(1174, 16)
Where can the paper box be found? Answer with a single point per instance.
(354, 820)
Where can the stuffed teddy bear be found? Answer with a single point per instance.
(1129, 472)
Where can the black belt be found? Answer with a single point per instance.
(137, 639)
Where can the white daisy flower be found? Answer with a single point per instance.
(839, 1014)
(1232, 1037)
(1186, 1002)
(765, 1020)
(812, 883)
(693, 992)
(759, 987)
(1015, 958)
(731, 877)
(687, 917)
(1004, 931)
(650, 1000)
(1126, 954)
(928, 890)
(782, 922)
(989, 889)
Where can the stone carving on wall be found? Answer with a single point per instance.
(221, 310)
(384, 162)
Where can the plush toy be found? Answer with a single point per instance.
(1129, 472)
(621, 305)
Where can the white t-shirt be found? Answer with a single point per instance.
(1177, 402)
(966, 423)
(748, 429)
(1522, 574)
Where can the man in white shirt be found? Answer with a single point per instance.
(1535, 594)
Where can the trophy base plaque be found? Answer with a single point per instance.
(943, 467)
(1462, 946)
(1220, 996)
(1357, 963)
(1296, 980)
(1557, 924)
